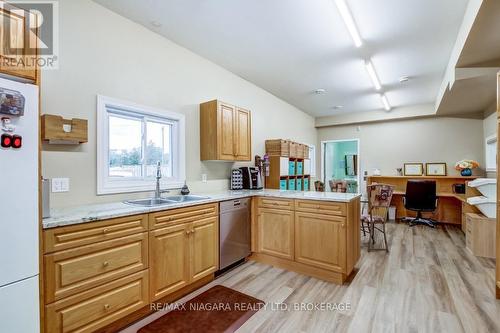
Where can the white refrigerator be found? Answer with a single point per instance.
(19, 294)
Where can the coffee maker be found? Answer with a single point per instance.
(251, 178)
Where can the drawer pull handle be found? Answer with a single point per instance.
(104, 231)
(105, 264)
(188, 232)
(106, 306)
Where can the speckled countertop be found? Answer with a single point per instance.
(89, 213)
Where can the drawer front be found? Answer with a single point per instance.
(63, 238)
(275, 203)
(321, 207)
(99, 307)
(71, 271)
(182, 215)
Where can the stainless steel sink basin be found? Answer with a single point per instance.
(186, 198)
(151, 202)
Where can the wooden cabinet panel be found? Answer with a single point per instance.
(68, 237)
(323, 207)
(182, 215)
(320, 240)
(17, 58)
(276, 232)
(243, 135)
(225, 132)
(275, 203)
(98, 307)
(204, 248)
(71, 271)
(169, 260)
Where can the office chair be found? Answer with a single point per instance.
(420, 197)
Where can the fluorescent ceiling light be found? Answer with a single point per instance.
(385, 102)
(349, 22)
(373, 75)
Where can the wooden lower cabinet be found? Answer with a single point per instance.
(169, 260)
(182, 254)
(98, 307)
(204, 253)
(276, 232)
(315, 238)
(320, 241)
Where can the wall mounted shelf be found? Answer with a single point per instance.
(57, 130)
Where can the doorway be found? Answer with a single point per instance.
(340, 167)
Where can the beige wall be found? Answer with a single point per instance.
(103, 53)
(388, 145)
(489, 129)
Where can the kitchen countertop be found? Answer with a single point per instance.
(88, 213)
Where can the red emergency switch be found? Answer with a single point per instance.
(6, 140)
(17, 141)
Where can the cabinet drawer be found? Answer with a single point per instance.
(182, 215)
(275, 203)
(99, 307)
(87, 233)
(71, 271)
(321, 207)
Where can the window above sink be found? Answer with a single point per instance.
(131, 139)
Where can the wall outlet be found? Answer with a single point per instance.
(60, 185)
(204, 177)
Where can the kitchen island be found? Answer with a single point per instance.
(121, 258)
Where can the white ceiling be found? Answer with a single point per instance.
(292, 47)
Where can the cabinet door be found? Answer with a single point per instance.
(204, 248)
(243, 135)
(169, 260)
(320, 241)
(226, 132)
(16, 53)
(276, 232)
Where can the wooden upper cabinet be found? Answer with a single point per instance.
(225, 132)
(18, 44)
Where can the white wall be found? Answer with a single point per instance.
(104, 53)
(387, 145)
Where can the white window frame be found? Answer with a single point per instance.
(490, 160)
(312, 158)
(106, 185)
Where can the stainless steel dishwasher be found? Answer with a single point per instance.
(234, 231)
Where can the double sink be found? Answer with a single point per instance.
(165, 201)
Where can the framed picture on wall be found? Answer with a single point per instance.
(413, 169)
(435, 169)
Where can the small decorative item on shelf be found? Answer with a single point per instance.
(465, 167)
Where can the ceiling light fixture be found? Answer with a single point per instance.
(156, 24)
(338, 107)
(373, 75)
(349, 22)
(385, 102)
(404, 79)
(319, 91)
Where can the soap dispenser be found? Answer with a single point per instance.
(185, 189)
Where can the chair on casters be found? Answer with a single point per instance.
(379, 200)
(420, 197)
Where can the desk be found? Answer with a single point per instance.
(451, 206)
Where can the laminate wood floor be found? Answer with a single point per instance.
(428, 282)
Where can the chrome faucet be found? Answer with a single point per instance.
(158, 192)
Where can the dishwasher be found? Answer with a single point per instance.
(234, 231)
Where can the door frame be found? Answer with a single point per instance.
(323, 145)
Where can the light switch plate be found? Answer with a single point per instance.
(60, 185)
(204, 177)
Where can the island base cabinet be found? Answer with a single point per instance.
(276, 232)
(311, 237)
(182, 254)
(98, 307)
(320, 241)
